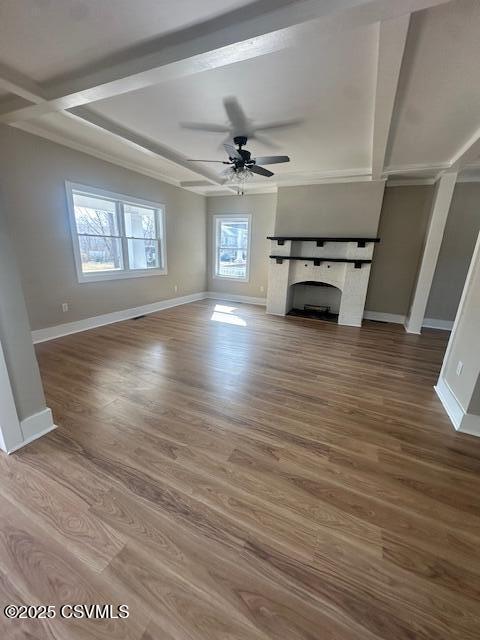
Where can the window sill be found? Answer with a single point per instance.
(232, 278)
(121, 275)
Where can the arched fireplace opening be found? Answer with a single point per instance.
(316, 300)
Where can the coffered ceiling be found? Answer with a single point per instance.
(380, 88)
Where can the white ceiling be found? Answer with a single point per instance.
(438, 107)
(327, 82)
(333, 65)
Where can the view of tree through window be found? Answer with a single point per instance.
(232, 237)
(116, 236)
(98, 233)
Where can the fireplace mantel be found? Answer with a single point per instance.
(361, 242)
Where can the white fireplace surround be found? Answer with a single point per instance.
(350, 278)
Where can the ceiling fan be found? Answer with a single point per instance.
(240, 125)
(241, 165)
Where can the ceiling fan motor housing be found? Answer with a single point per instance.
(240, 141)
(246, 155)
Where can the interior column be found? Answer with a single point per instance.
(23, 413)
(440, 207)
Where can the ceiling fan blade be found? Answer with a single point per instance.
(220, 161)
(280, 124)
(205, 126)
(236, 116)
(260, 170)
(271, 159)
(264, 140)
(232, 152)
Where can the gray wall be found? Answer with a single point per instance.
(461, 231)
(15, 332)
(32, 175)
(403, 222)
(346, 209)
(262, 208)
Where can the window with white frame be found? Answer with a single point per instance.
(115, 236)
(232, 246)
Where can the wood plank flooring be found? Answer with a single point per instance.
(234, 476)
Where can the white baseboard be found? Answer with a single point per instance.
(434, 323)
(50, 333)
(59, 330)
(34, 427)
(462, 421)
(384, 317)
(233, 297)
(397, 318)
(450, 403)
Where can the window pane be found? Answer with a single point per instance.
(100, 254)
(94, 215)
(232, 248)
(232, 263)
(143, 254)
(234, 234)
(139, 221)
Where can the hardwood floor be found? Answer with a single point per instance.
(233, 476)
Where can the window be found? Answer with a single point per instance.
(232, 246)
(115, 236)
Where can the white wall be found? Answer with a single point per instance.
(459, 382)
(464, 344)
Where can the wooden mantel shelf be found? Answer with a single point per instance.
(317, 261)
(361, 242)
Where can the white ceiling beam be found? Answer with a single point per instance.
(442, 198)
(141, 142)
(14, 82)
(258, 29)
(392, 39)
(25, 87)
(468, 154)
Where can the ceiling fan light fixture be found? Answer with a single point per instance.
(237, 175)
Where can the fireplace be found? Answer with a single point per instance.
(321, 272)
(312, 299)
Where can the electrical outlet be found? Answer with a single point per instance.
(64, 307)
(459, 367)
(262, 289)
(175, 288)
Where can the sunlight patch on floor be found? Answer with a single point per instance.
(225, 314)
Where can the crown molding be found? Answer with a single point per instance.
(468, 178)
(413, 168)
(324, 177)
(413, 182)
(251, 192)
